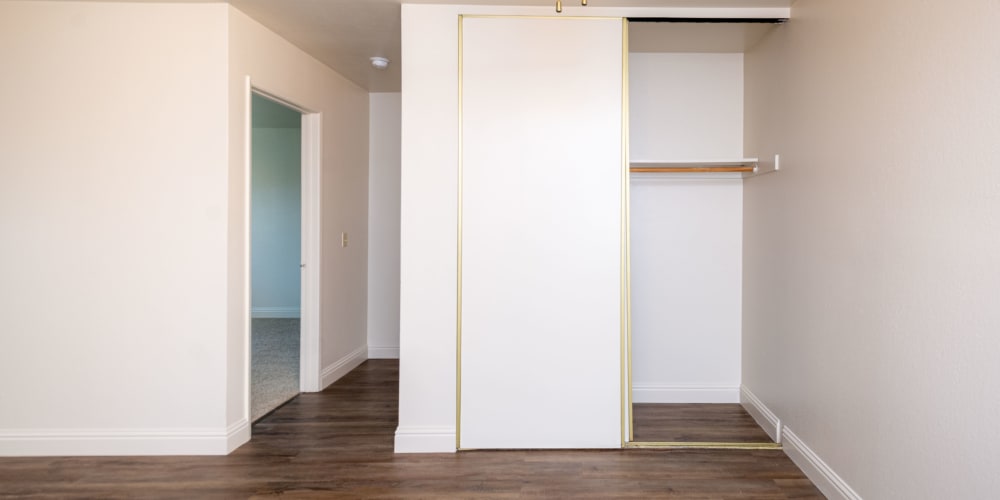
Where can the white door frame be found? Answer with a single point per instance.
(309, 346)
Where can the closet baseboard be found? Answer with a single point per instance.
(642, 393)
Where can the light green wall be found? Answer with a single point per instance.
(275, 231)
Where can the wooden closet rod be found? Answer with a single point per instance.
(718, 168)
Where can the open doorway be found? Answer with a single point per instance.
(275, 255)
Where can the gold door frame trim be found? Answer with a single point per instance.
(696, 445)
(458, 310)
(625, 311)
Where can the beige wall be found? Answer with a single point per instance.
(872, 260)
(122, 272)
(281, 69)
(113, 214)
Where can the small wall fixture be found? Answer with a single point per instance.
(379, 62)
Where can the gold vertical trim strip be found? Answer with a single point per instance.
(628, 230)
(458, 311)
(626, 404)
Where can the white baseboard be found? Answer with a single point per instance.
(122, 442)
(237, 435)
(342, 366)
(425, 440)
(275, 312)
(383, 352)
(644, 393)
(765, 418)
(828, 482)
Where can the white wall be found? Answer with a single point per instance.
(687, 233)
(686, 229)
(429, 208)
(282, 70)
(686, 106)
(383, 225)
(113, 211)
(871, 270)
(276, 218)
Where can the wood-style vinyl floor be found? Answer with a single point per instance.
(338, 444)
(718, 423)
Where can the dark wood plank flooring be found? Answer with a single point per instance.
(718, 423)
(338, 444)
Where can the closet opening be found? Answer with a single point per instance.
(687, 168)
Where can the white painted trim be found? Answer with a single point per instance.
(310, 378)
(649, 393)
(237, 434)
(343, 366)
(425, 440)
(821, 474)
(122, 442)
(275, 312)
(247, 209)
(383, 352)
(765, 418)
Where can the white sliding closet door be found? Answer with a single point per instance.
(542, 231)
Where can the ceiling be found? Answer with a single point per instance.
(344, 34)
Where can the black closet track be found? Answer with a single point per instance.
(710, 20)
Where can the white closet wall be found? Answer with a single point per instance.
(685, 106)
(686, 228)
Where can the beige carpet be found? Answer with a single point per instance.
(274, 364)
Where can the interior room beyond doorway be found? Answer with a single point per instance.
(276, 249)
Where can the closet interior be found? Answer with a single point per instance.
(687, 169)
